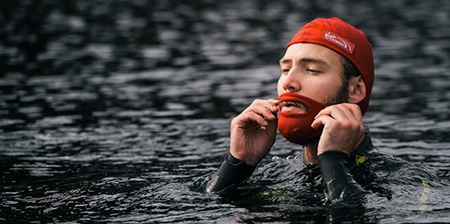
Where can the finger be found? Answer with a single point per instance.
(266, 109)
(274, 103)
(350, 111)
(347, 115)
(342, 112)
(265, 112)
(335, 112)
(355, 110)
(252, 119)
(272, 127)
(271, 104)
(322, 120)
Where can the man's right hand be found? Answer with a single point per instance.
(253, 131)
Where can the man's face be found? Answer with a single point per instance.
(313, 71)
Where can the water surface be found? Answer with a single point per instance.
(119, 111)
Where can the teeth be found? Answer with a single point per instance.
(293, 104)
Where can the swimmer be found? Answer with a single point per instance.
(327, 74)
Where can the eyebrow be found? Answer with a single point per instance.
(306, 60)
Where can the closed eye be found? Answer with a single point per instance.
(313, 71)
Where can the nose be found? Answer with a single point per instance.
(291, 83)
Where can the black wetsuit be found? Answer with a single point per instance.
(344, 176)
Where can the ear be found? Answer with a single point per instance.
(356, 90)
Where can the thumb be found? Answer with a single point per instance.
(273, 125)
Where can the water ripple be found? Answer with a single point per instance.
(120, 112)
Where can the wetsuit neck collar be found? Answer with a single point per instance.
(365, 146)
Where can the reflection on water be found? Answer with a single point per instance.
(119, 111)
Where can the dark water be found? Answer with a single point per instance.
(119, 111)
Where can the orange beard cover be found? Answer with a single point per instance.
(296, 127)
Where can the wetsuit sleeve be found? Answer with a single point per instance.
(231, 173)
(336, 176)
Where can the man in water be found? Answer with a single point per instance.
(327, 74)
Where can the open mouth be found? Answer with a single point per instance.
(293, 107)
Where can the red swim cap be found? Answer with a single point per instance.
(345, 39)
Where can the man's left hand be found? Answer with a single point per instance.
(343, 128)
